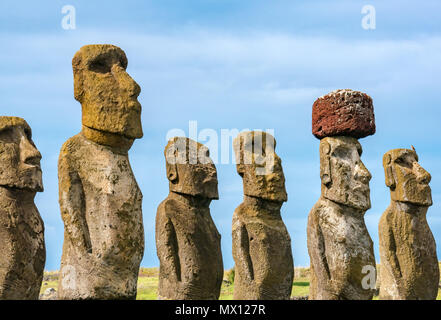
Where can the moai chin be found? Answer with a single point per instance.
(100, 200)
(23, 252)
(262, 253)
(187, 241)
(409, 264)
(340, 248)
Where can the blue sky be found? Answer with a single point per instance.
(232, 64)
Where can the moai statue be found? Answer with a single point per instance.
(340, 248)
(99, 197)
(264, 267)
(187, 241)
(409, 264)
(23, 252)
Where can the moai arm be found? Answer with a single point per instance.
(167, 247)
(72, 205)
(241, 250)
(316, 249)
(388, 244)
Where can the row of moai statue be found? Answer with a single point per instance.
(100, 204)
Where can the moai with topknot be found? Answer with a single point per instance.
(409, 264)
(262, 253)
(340, 248)
(100, 200)
(22, 247)
(187, 240)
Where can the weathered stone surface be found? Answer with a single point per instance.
(339, 244)
(23, 252)
(343, 113)
(187, 241)
(409, 264)
(99, 197)
(262, 253)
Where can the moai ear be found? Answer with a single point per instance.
(78, 88)
(325, 163)
(390, 180)
(239, 154)
(78, 77)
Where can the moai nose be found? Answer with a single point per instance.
(28, 153)
(125, 81)
(422, 175)
(362, 173)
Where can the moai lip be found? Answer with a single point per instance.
(187, 240)
(23, 252)
(409, 270)
(261, 243)
(343, 113)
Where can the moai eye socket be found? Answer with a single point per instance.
(403, 161)
(341, 153)
(100, 65)
(5, 135)
(123, 63)
(359, 149)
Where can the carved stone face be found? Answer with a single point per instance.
(19, 158)
(260, 166)
(407, 180)
(190, 169)
(344, 177)
(108, 95)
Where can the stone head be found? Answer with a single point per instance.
(259, 166)
(19, 158)
(344, 177)
(108, 95)
(407, 180)
(190, 169)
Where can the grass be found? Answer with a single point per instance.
(147, 288)
(148, 284)
(300, 287)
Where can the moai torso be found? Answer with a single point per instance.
(409, 264)
(262, 253)
(188, 244)
(338, 236)
(194, 244)
(22, 247)
(104, 188)
(414, 253)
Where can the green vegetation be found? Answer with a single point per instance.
(148, 284)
